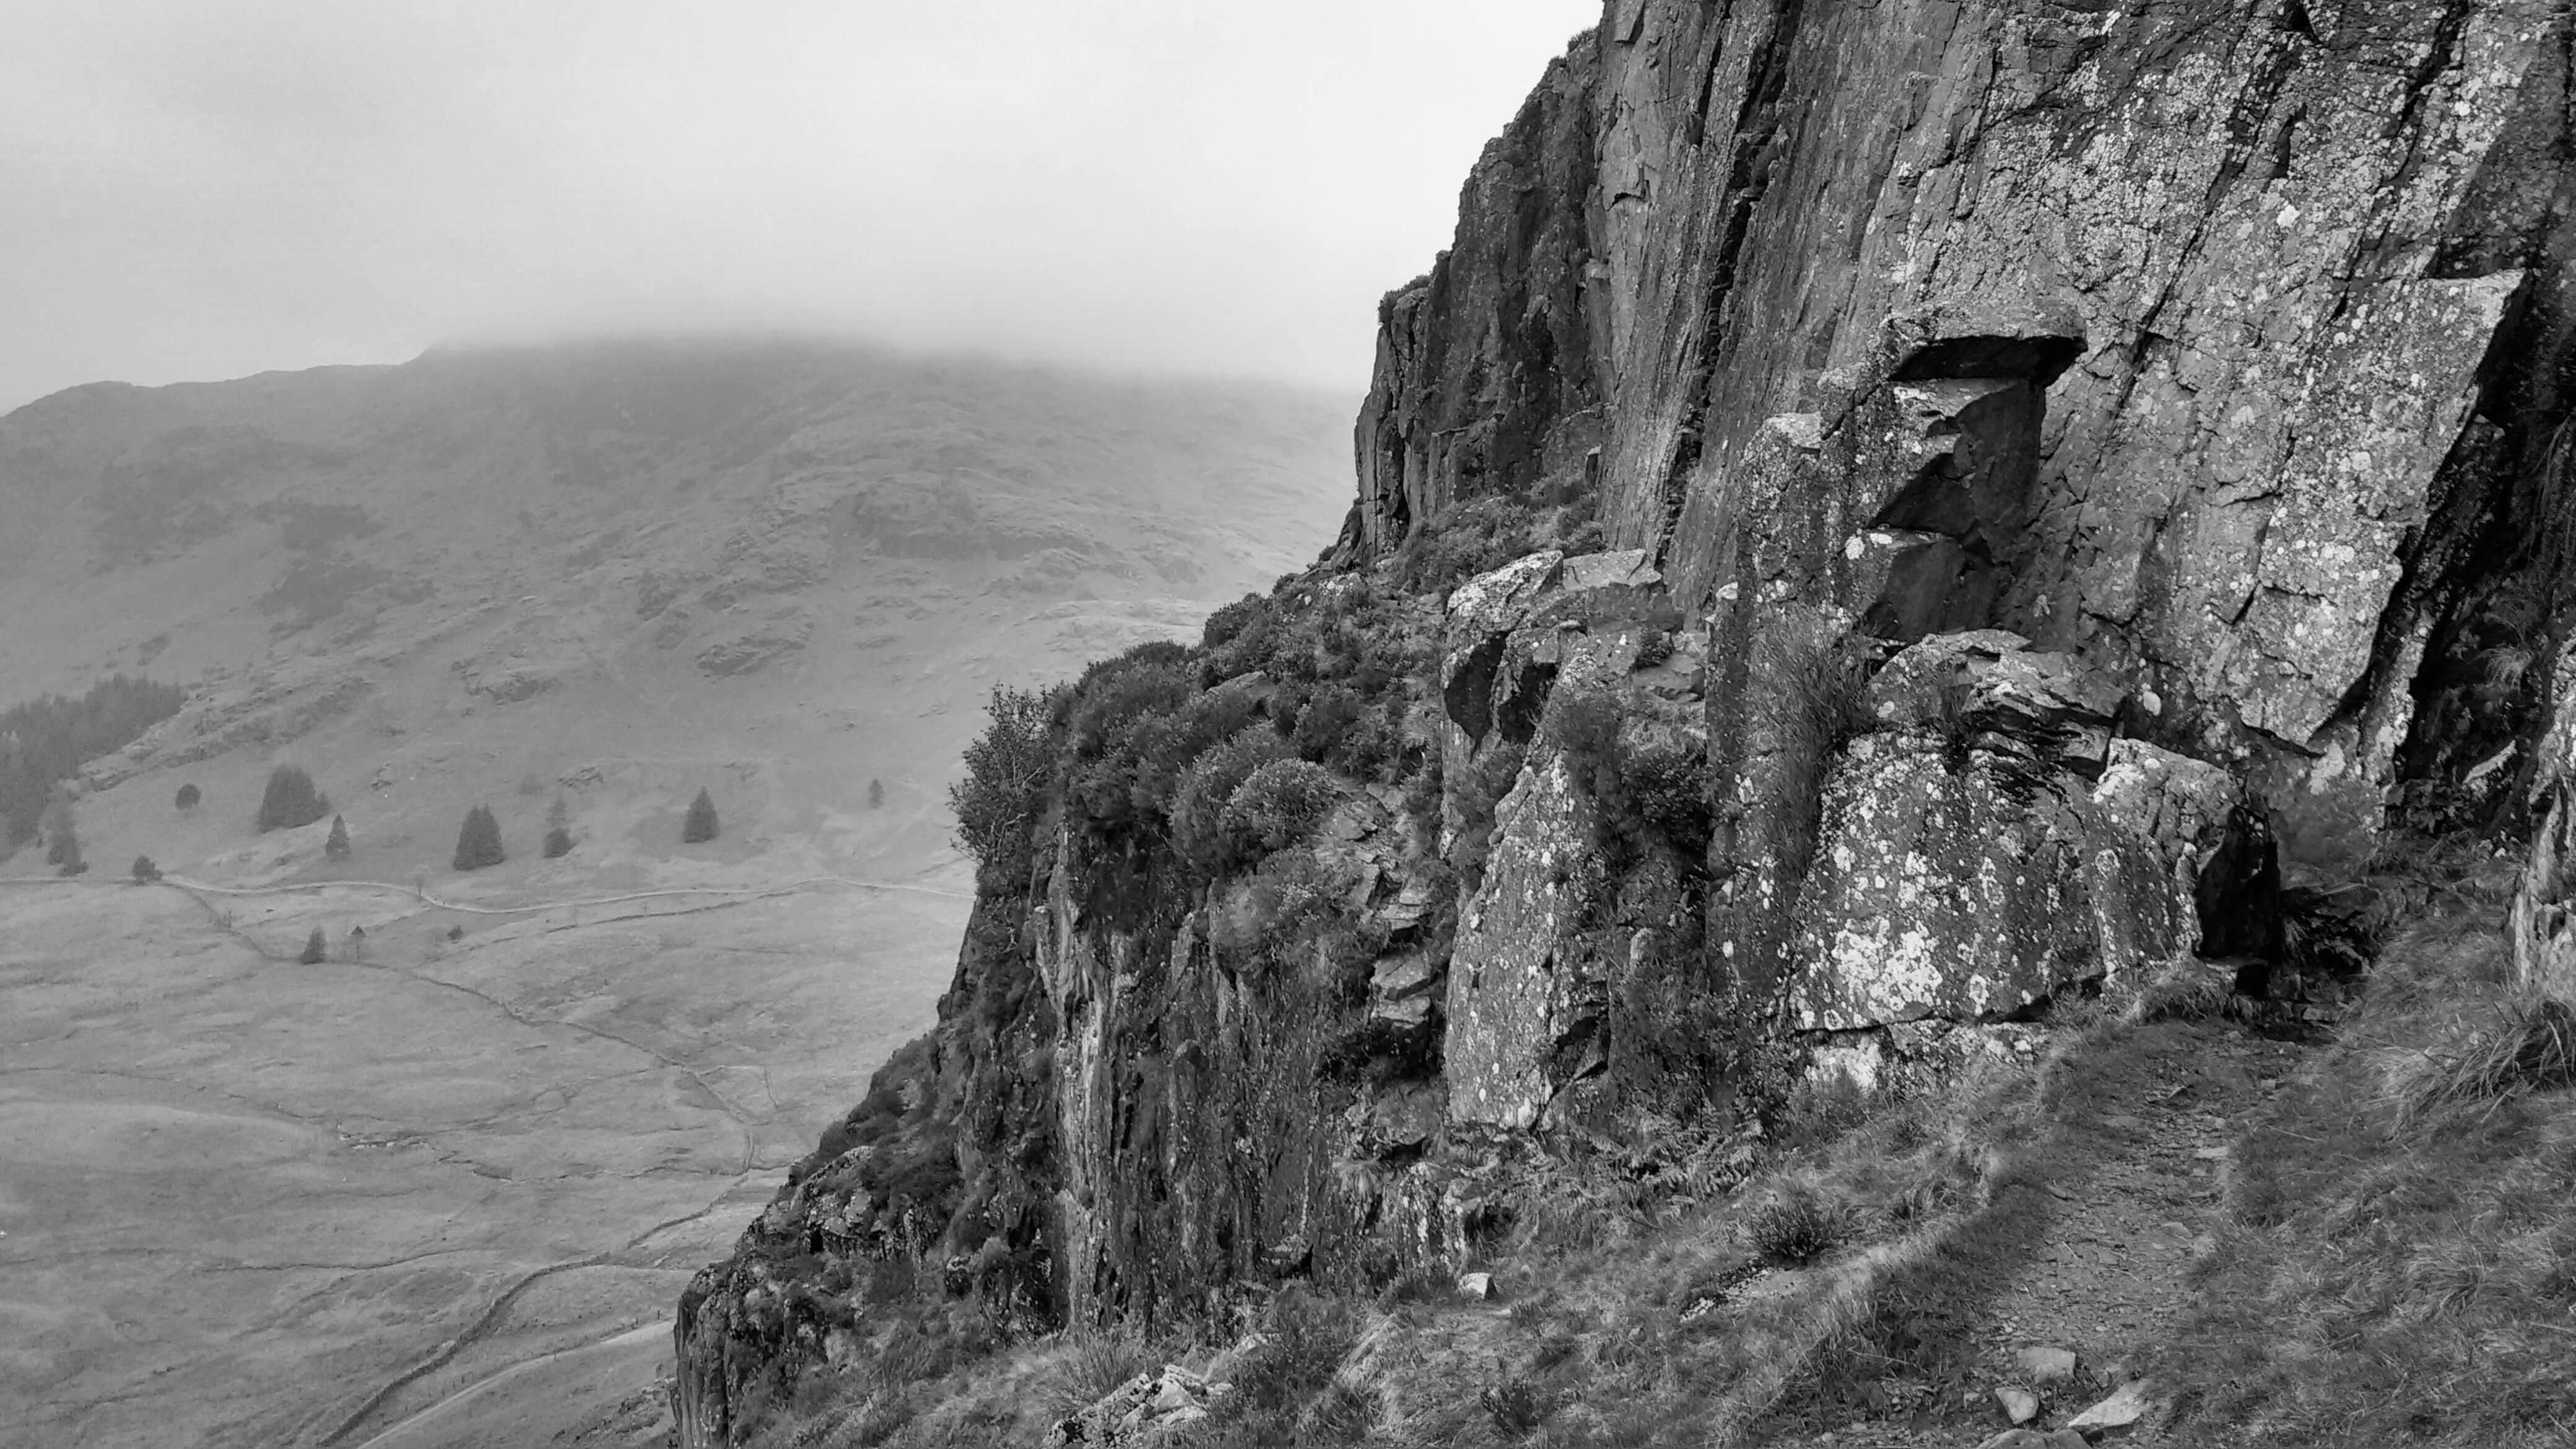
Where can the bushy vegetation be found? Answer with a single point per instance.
(46, 741)
(145, 872)
(290, 799)
(558, 829)
(189, 796)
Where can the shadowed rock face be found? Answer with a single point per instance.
(2072, 474)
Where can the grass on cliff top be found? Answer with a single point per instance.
(2400, 1262)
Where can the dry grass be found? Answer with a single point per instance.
(2400, 1265)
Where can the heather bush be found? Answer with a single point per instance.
(1278, 805)
(1206, 790)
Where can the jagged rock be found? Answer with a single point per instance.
(1146, 1410)
(1520, 983)
(755, 649)
(2020, 1405)
(1479, 1286)
(2115, 1415)
(511, 682)
(1969, 889)
(2044, 1364)
(1866, 326)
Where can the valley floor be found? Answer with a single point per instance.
(431, 1188)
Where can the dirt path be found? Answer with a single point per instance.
(2132, 1185)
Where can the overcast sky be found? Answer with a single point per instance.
(209, 188)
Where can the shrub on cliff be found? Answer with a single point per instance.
(290, 800)
(478, 840)
(1278, 805)
(1007, 770)
(1208, 786)
(699, 826)
(1117, 733)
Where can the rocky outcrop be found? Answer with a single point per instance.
(2075, 478)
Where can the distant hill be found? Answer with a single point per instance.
(780, 568)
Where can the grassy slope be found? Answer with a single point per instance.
(2394, 1261)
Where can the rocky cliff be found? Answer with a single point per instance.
(1887, 517)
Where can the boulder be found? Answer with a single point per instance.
(2019, 1404)
(2115, 1415)
(2044, 1364)
(1969, 890)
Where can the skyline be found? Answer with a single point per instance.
(211, 190)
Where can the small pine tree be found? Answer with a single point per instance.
(876, 794)
(558, 829)
(315, 948)
(62, 839)
(337, 847)
(478, 841)
(700, 827)
(189, 795)
(290, 800)
(145, 872)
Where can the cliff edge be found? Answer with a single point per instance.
(1890, 525)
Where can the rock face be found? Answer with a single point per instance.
(2024, 495)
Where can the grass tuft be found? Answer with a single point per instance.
(2521, 1044)
(1798, 1227)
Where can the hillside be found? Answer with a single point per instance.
(798, 562)
(448, 1171)
(1952, 637)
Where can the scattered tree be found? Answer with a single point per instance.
(189, 795)
(700, 827)
(1007, 768)
(315, 948)
(337, 847)
(478, 842)
(876, 794)
(62, 838)
(290, 800)
(145, 872)
(558, 829)
(357, 943)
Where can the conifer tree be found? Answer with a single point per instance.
(337, 847)
(315, 948)
(290, 800)
(62, 839)
(478, 841)
(876, 794)
(558, 829)
(700, 827)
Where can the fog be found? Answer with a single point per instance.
(207, 188)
